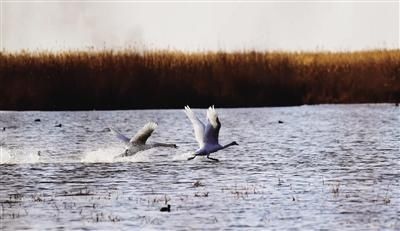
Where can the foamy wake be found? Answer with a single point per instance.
(110, 154)
(11, 156)
(94, 155)
(100, 155)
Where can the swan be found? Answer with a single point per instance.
(138, 142)
(206, 136)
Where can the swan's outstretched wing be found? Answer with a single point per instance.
(120, 136)
(198, 126)
(143, 134)
(213, 126)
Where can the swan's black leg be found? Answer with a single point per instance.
(191, 158)
(214, 159)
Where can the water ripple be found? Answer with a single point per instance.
(324, 167)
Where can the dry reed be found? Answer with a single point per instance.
(170, 79)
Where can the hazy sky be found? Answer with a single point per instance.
(312, 25)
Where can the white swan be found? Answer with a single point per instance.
(206, 136)
(138, 142)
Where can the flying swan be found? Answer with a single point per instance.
(206, 136)
(138, 142)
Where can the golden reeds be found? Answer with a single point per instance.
(169, 79)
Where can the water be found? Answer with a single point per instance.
(324, 167)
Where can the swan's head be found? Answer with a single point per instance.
(234, 143)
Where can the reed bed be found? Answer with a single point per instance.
(129, 79)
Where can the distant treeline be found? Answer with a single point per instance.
(86, 80)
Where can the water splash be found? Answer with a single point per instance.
(5, 155)
(143, 156)
(101, 155)
(109, 155)
(18, 156)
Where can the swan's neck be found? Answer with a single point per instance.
(228, 145)
(164, 145)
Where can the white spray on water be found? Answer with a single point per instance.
(23, 156)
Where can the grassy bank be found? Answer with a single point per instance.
(169, 79)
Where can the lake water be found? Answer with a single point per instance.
(325, 167)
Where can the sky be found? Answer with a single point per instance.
(200, 25)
